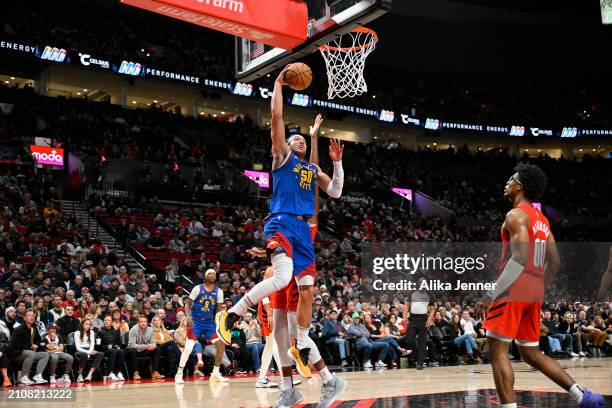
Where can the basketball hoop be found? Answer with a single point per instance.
(345, 60)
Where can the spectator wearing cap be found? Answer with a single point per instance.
(55, 348)
(25, 348)
(85, 341)
(364, 343)
(10, 315)
(5, 336)
(68, 323)
(110, 341)
(334, 333)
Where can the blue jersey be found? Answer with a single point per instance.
(204, 304)
(294, 186)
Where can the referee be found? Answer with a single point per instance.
(422, 309)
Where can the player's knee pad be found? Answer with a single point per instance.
(283, 271)
(305, 280)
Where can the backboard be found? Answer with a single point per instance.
(328, 20)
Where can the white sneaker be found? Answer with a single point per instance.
(178, 379)
(52, 379)
(198, 373)
(38, 379)
(80, 378)
(120, 376)
(582, 354)
(218, 377)
(66, 379)
(368, 364)
(380, 364)
(296, 382)
(265, 383)
(26, 381)
(572, 354)
(112, 377)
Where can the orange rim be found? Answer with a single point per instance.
(329, 48)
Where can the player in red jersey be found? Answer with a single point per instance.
(513, 307)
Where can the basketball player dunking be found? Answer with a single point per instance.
(531, 259)
(292, 306)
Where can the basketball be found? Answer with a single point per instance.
(299, 76)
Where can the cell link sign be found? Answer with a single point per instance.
(54, 54)
(130, 68)
(387, 116)
(243, 89)
(517, 131)
(570, 132)
(300, 100)
(541, 132)
(406, 119)
(87, 61)
(265, 93)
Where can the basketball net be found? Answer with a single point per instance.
(345, 60)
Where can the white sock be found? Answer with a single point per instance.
(576, 392)
(326, 375)
(511, 405)
(266, 356)
(286, 383)
(283, 270)
(216, 371)
(302, 336)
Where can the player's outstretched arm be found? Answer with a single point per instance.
(314, 140)
(333, 186)
(280, 149)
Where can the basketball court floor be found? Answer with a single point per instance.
(463, 386)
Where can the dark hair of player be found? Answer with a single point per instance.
(533, 180)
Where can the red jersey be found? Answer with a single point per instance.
(530, 285)
(515, 314)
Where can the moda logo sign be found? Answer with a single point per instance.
(387, 116)
(243, 89)
(47, 155)
(54, 54)
(300, 100)
(130, 68)
(87, 61)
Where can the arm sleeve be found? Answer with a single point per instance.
(510, 274)
(334, 189)
(219, 296)
(265, 300)
(195, 292)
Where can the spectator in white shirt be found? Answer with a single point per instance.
(85, 341)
